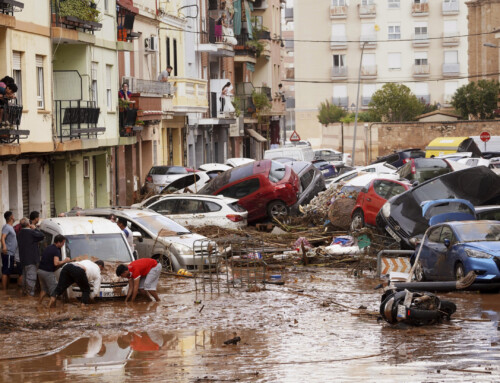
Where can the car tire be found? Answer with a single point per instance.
(459, 271)
(358, 220)
(277, 209)
(419, 272)
(164, 260)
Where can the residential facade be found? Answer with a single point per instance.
(417, 43)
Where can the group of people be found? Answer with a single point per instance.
(21, 255)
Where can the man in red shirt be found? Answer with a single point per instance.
(142, 276)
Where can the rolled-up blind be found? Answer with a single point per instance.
(16, 60)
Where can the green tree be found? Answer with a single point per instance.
(395, 103)
(330, 113)
(478, 100)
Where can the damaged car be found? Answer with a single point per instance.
(401, 216)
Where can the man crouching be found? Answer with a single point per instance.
(142, 276)
(82, 273)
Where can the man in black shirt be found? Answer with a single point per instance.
(51, 260)
(29, 254)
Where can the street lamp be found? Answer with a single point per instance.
(357, 105)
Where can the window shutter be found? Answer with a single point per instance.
(16, 60)
(39, 61)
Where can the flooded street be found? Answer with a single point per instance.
(309, 330)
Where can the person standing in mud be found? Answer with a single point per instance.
(82, 273)
(51, 260)
(29, 254)
(142, 276)
(9, 249)
(122, 224)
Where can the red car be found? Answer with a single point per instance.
(371, 199)
(264, 188)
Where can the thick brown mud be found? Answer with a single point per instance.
(309, 330)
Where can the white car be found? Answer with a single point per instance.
(214, 169)
(235, 162)
(472, 162)
(201, 210)
(456, 156)
(379, 168)
(189, 183)
(332, 156)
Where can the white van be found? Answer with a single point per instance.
(298, 153)
(93, 237)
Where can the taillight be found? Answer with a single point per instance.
(149, 179)
(234, 217)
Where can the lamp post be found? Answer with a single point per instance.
(357, 105)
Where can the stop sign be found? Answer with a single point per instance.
(485, 136)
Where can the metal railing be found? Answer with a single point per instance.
(77, 119)
(246, 105)
(10, 119)
(338, 11)
(339, 71)
(421, 70)
(450, 8)
(420, 39)
(71, 22)
(451, 69)
(420, 9)
(266, 90)
(127, 120)
(340, 101)
(368, 70)
(8, 7)
(338, 41)
(368, 10)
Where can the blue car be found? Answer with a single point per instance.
(327, 169)
(453, 249)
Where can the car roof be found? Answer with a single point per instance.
(80, 225)
(215, 198)
(121, 210)
(299, 166)
(465, 223)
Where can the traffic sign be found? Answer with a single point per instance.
(485, 136)
(295, 137)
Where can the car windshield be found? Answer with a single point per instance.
(277, 172)
(319, 164)
(448, 207)
(152, 200)
(108, 247)
(159, 170)
(177, 170)
(478, 232)
(161, 225)
(430, 163)
(428, 174)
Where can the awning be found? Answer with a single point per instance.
(256, 135)
(128, 4)
(237, 17)
(248, 14)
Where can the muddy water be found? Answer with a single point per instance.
(304, 331)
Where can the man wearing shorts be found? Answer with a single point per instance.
(50, 262)
(142, 276)
(9, 250)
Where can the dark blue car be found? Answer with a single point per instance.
(327, 169)
(453, 249)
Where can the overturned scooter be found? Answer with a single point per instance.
(414, 308)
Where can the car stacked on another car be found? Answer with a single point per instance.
(264, 188)
(423, 169)
(326, 168)
(401, 157)
(160, 176)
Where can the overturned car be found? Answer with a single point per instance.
(402, 217)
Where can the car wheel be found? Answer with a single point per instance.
(459, 271)
(277, 209)
(358, 220)
(419, 272)
(164, 260)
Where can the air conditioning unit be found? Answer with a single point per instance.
(151, 44)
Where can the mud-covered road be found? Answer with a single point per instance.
(309, 330)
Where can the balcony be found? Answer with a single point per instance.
(260, 4)
(215, 43)
(422, 70)
(339, 73)
(150, 87)
(338, 42)
(419, 10)
(369, 41)
(340, 101)
(128, 122)
(290, 73)
(77, 119)
(7, 9)
(148, 106)
(150, 97)
(450, 8)
(246, 106)
(420, 40)
(10, 119)
(338, 12)
(451, 69)
(288, 14)
(451, 39)
(424, 98)
(367, 11)
(190, 95)
(244, 51)
(125, 17)
(368, 72)
(68, 28)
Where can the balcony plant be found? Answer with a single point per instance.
(261, 103)
(82, 9)
(237, 108)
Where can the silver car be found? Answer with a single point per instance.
(160, 238)
(160, 176)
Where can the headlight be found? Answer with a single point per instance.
(477, 254)
(386, 210)
(182, 249)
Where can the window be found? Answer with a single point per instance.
(367, 2)
(212, 206)
(421, 89)
(421, 58)
(446, 233)
(306, 179)
(435, 234)
(393, 3)
(394, 60)
(340, 95)
(368, 60)
(17, 75)
(338, 61)
(190, 206)
(394, 32)
(165, 206)
(106, 5)
(419, 1)
(241, 189)
(257, 22)
(368, 90)
(39, 82)
(175, 57)
(93, 76)
(451, 57)
(382, 188)
(109, 97)
(396, 190)
(339, 3)
(277, 172)
(450, 87)
(421, 29)
(338, 32)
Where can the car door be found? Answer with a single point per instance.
(143, 244)
(191, 212)
(249, 195)
(447, 264)
(375, 199)
(167, 207)
(430, 252)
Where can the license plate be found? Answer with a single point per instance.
(393, 234)
(107, 294)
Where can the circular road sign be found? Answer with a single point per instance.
(485, 136)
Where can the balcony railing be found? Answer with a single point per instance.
(77, 119)
(368, 71)
(369, 41)
(247, 106)
(341, 101)
(266, 90)
(339, 72)
(424, 98)
(451, 69)
(190, 95)
(421, 9)
(450, 8)
(62, 17)
(10, 119)
(338, 11)
(420, 39)
(367, 11)
(149, 87)
(421, 70)
(338, 42)
(242, 48)
(125, 17)
(8, 7)
(128, 119)
(451, 39)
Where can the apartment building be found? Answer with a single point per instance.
(289, 69)
(419, 43)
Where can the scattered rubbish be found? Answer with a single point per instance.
(201, 309)
(233, 341)
(343, 250)
(302, 241)
(278, 231)
(343, 240)
(197, 302)
(184, 273)
(275, 276)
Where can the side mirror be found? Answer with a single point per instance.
(447, 242)
(137, 235)
(414, 241)
(415, 184)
